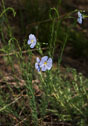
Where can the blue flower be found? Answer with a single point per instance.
(37, 64)
(80, 17)
(32, 40)
(45, 63)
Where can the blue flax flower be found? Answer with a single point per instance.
(32, 40)
(80, 17)
(45, 63)
(37, 64)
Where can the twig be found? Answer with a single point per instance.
(10, 104)
(17, 52)
(20, 122)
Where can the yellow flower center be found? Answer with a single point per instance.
(45, 63)
(32, 41)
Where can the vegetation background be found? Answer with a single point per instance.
(58, 97)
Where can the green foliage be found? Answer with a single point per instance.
(58, 96)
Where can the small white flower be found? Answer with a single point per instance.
(32, 41)
(80, 17)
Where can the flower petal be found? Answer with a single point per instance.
(44, 68)
(32, 45)
(31, 36)
(44, 58)
(49, 60)
(49, 66)
(79, 20)
(37, 59)
(79, 14)
(37, 67)
(29, 42)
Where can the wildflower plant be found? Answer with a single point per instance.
(32, 40)
(44, 64)
(53, 92)
(80, 17)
